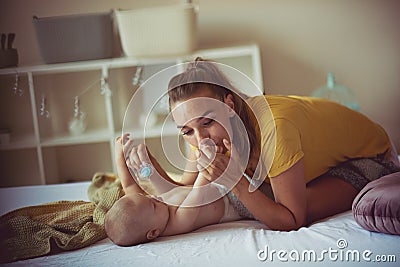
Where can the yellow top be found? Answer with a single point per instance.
(321, 132)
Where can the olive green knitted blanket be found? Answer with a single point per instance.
(63, 225)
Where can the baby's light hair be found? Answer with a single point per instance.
(123, 224)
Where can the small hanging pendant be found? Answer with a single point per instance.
(77, 125)
(43, 109)
(137, 79)
(16, 90)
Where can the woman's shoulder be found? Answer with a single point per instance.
(281, 100)
(288, 105)
(279, 106)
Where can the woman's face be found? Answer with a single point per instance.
(203, 116)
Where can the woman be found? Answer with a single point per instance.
(318, 162)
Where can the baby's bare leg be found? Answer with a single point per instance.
(327, 196)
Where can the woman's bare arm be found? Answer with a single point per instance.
(288, 211)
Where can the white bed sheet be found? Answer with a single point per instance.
(241, 243)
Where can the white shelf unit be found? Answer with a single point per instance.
(42, 151)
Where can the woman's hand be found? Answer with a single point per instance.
(218, 167)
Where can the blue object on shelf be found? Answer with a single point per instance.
(338, 93)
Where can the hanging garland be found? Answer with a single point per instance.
(77, 125)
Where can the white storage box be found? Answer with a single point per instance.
(75, 37)
(158, 31)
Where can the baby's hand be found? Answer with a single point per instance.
(127, 180)
(118, 150)
(136, 157)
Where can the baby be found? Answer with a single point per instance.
(138, 218)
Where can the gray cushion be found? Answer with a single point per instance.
(377, 206)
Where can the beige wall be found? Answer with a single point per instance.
(300, 40)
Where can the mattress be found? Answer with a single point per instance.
(334, 241)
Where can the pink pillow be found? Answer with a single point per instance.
(377, 206)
